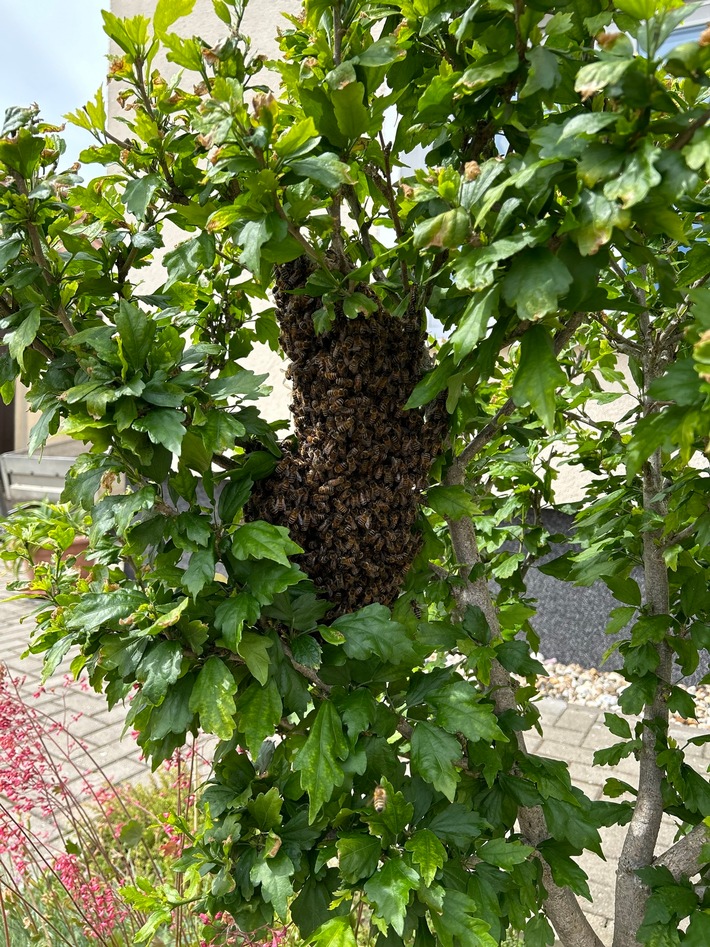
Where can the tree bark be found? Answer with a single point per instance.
(561, 906)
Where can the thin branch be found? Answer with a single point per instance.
(642, 834)
(561, 906)
(492, 428)
(40, 258)
(685, 136)
(624, 345)
(357, 210)
(683, 858)
(308, 248)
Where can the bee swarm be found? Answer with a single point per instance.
(349, 491)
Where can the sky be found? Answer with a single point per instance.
(52, 52)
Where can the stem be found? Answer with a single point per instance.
(40, 258)
(561, 905)
(492, 428)
(683, 858)
(640, 842)
(308, 248)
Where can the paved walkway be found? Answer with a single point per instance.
(572, 733)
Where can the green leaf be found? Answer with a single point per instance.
(544, 71)
(452, 503)
(259, 710)
(136, 331)
(597, 218)
(351, 114)
(388, 891)
(168, 11)
(318, 760)
(260, 540)
(535, 282)
(572, 824)
(638, 177)
(232, 615)
(336, 932)
(253, 236)
(358, 856)
(383, 52)
(448, 230)
(538, 375)
(474, 322)
(24, 335)
(255, 651)
(139, 193)
(503, 853)
(274, 874)
(698, 933)
(212, 698)
(459, 710)
(104, 608)
(159, 668)
(9, 250)
(298, 140)
(433, 755)
(565, 871)
(428, 854)
(371, 631)
(200, 571)
(459, 918)
(596, 76)
(326, 169)
(163, 426)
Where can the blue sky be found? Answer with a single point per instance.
(52, 52)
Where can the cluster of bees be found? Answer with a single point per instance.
(349, 489)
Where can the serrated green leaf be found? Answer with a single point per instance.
(168, 11)
(535, 282)
(539, 375)
(274, 876)
(231, 616)
(428, 854)
(433, 754)
(139, 193)
(212, 698)
(388, 891)
(260, 540)
(159, 668)
(336, 932)
(474, 322)
(259, 710)
(164, 426)
(319, 760)
(358, 856)
(459, 710)
(20, 339)
(503, 853)
(371, 631)
(200, 571)
(451, 502)
(255, 651)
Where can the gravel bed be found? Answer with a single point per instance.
(593, 688)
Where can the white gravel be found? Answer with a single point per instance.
(594, 688)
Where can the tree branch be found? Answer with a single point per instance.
(683, 858)
(642, 835)
(492, 428)
(561, 906)
(685, 136)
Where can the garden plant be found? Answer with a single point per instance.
(343, 602)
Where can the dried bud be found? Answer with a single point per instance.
(471, 170)
(205, 141)
(607, 40)
(407, 191)
(210, 56)
(116, 66)
(200, 88)
(704, 39)
(262, 101)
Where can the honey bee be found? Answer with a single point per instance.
(379, 799)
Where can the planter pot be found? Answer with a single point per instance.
(77, 549)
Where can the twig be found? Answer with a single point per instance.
(357, 211)
(561, 906)
(685, 136)
(492, 428)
